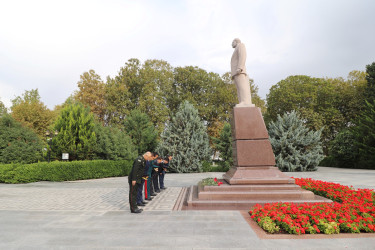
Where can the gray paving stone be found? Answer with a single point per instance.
(94, 214)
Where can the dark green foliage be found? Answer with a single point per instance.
(331, 104)
(63, 171)
(112, 144)
(3, 109)
(224, 145)
(364, 136)
(141, 131)
(370, 78)
(296, 148)
(343, 151)
(18, 144)
(76, 132)
(186, 139)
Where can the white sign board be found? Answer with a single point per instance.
(65, 156)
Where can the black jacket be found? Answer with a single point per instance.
(137, 170)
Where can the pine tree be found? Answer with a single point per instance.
(364, 136)
(141, 130)
(76, 135)
(186, 139)
(370, 78)
(224, 145)
(296, 148)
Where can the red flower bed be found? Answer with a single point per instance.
(353, 211)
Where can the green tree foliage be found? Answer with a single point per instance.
(92, 94)
(223, 144)
(364, 136)
(207, 91)
(31, 112)
(141, 131)
(157, 89)
(18, 144)
(186, 139)
(112, 144)
(296, 148)
(343, 151)
(370, 78)
(331, 104)
(76, 135)
(3, 109)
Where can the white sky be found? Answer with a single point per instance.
(49, 44)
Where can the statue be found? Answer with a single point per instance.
(239, 76)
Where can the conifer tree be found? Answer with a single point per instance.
(141, 131)
(76, 136)
(18, 144)
(224, 145)
(186, 139)
(296, 148)
(364, 136)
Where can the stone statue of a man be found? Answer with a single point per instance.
(239, 76)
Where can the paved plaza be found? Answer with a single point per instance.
(94, 214)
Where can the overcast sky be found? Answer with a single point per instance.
(49, 44)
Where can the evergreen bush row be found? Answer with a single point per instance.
(63, 171)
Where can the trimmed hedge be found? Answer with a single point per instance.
(63, 171)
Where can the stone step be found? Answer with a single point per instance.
(234, 188)
(259, 195)
(194, 203)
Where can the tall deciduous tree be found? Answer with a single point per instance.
(141, 130)
(296, 148)
(331, 104)
(92, 93)
(31, 112)
(156, 77)
(76, 135)
(18, 144)
(186, 139)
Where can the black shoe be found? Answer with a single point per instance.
(149, 199)
(143, 202)
(153, 194)
(137, 211)
(141, 205)
(157, 191)
(163, 188)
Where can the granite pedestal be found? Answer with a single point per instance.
(253, 178)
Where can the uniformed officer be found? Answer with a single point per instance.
(156, 164)
(135, 176)
(164, 169)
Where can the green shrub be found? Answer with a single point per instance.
(63, 171)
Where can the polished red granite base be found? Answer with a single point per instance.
(253, 179)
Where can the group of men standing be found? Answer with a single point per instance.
(146, 179)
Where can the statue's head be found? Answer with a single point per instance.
(235, 42)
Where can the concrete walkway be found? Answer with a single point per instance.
(94, 214)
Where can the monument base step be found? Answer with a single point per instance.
(218, 203)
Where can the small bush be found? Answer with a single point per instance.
(63, 171)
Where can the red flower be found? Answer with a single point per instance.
(215, 179)
(219, 183)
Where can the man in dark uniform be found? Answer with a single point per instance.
(134, 178)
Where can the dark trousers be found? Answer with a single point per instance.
(133, 196)
(150, 188)
(161, 179)
(155, 182)
(140, 191)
